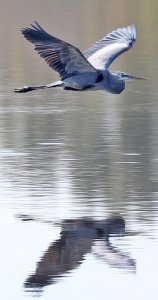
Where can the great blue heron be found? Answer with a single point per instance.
(82, 71)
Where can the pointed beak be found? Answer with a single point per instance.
(127, 77)
(131, 77)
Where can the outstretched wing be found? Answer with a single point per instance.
(103, 52)
(62, 57)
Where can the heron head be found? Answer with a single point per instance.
(127, 77)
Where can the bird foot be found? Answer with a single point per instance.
(24, 89)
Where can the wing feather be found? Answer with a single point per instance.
(62, 57)
(103, 52)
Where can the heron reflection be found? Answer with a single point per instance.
(82, 71)
(78, 238)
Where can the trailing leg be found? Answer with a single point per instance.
(26, 88)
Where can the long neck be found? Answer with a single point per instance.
(116, 84)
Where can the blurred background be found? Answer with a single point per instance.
(72, 155)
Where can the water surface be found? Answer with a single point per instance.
(67, 155)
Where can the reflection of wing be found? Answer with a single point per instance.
(62, 57)
(77, 238)
(63, 255)
(112, 256)
(103, 52)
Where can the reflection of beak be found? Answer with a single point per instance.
(129, 233)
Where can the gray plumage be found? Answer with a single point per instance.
(103, 52)
(82, 71)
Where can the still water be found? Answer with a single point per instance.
(78, 156)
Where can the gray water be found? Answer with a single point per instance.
(67, 155)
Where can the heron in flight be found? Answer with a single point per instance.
(82, 71)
